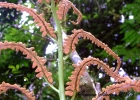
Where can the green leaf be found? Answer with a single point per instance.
(17, 67)
(11, 67)
(16, 72)
(96, 16)
(26, 79)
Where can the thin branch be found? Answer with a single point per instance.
(33, 2)
(98, 5)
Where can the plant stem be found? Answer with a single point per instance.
(73, 97)
(60, 52)
(55, 89)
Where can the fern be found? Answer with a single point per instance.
(80, 69)
(45, 27)
(63, 8)
(73, 39)
(30, 54)
(116, 88)
(6, 86)
(69, 45)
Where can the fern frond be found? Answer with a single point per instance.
(77, 12)
(63, 8)
(30, 54)
(71, 40)
(45, 27)
(80, 69)
(6, 86)
(40, 1)
(116, 88)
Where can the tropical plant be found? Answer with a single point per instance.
(59, 9)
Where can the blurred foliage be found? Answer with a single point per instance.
(131, 30)
(103, 18)
(129, 47)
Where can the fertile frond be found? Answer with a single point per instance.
(80, 69)
(40, 1)
(45, 27)
(71, 40)
(6, 86)
(116, 88)
(63, 8)
(30, 54)
(77, 12)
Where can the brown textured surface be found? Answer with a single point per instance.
(30, 54)
(6, 86)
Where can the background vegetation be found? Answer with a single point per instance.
(114, 22)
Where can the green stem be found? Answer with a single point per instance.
(73, 97)
(55, 89)
(60, 53)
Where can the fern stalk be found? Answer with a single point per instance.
(60, 52)
(55, 89)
